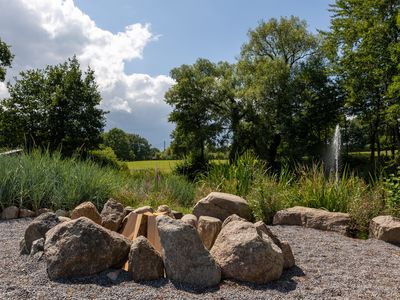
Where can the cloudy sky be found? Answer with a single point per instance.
(132, 45)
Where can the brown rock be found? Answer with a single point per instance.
(145, 263)
(208, 228)
(166, 210)
(246, 254)
(313, 218)
(221, 206)
(10, 212)
(185, 257)
(284, 246)
(81, 247)
(232, 218)
(64, 219)
(26, 213)
(112, 215)
(128, 210)
(41, 211)
(38, 227)
(190, 219)
(86, 209)
(385, 228)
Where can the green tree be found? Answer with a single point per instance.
(56, 107)
(6, 58)
(140, 146)
(362, 39)
(285, 87)
(119, 141)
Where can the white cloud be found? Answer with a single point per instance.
(49, 31)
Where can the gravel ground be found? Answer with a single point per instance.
(328, 266)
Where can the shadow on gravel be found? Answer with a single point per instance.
(285, 284)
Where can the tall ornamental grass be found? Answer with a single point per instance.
(40, 179)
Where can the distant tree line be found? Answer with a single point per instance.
(290, 87)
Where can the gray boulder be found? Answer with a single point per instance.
(10, 212)
(145, 263)
(38, 227)
(247, 254)
(190, 219)
(82, 247)
(221, 206)
(186, 259)
(37, 246)
(112, 215)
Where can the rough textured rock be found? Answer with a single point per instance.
(221, 206)
(26, 213)
(288, 256)
(64, 219)
(112, 215)
(145, 263)
(190, 219)
(81, 247)
(385, 228)
(37, 246)
(22, 247)
(232, 218)
(208, 228)
(177, 214)
(38, 227)
(41, 211)
(10, 212)
(166, 210)
(86, 209)
(143, 209)
(185, 257)
(61, 213)
(247, 254)
(313, 218)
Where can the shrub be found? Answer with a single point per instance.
(392, 188)
(192, 166)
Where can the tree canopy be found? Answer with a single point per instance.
(55, 108)
(6, 58)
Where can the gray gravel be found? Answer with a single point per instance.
(329, 266)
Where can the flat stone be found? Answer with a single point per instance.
(41, 211)
(221, 206)
(313, 218)
(61, 213)
(385, 228)
(26, 213)
(190, 219)
(143, 209)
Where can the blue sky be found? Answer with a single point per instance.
(189, 29)
(132, 45)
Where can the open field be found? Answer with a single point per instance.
(165, 166)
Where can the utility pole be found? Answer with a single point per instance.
(164, 145)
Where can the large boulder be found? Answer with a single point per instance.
(385, 228)
(190, 219)
(38, 227)
(313, 218)
(221, 206)
(10, 212)
(186, 260)
(145, 263)
(208, 228)
(82, 247)
(86, 209)
(112, 215)
(247, 254)
(288, 257)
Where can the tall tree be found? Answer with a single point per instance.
(280, 67)
(6, 58)
(362, 37)
(56, 108)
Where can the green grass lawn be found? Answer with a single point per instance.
(165, 166)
